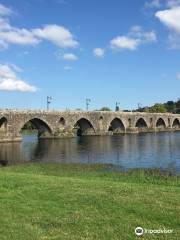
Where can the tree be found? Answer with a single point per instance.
(170, 106)
(105, 109)
(178, 106)
(158, 108)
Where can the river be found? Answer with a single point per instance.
(149, 150)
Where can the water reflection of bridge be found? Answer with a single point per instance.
(146, 150)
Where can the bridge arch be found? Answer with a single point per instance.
(141, 123)
(43, 128)
(62, 122)
(101, 118)
(3, 124)
(160, 123)
(116, 126)
(176, 123)
(84, 127)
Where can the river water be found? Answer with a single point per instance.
(149, 150)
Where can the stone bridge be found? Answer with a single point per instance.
(60, 124)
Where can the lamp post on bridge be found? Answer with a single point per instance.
(49, 100)
(139, 106)
(88, 100)
(117, 106)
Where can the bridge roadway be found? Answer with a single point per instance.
(61, 124)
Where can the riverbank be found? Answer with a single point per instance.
(59, 201)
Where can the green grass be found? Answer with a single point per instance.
(59, 201)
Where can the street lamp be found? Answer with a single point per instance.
(117, 106)
(88, 100)
(49, 100)
(139, 106)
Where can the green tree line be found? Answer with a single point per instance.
(169, 106)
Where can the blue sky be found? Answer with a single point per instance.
(119, 50)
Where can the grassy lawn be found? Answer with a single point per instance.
(59, 201)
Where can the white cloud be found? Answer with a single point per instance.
(5, 11)
(57, 35)
(123, 42)
(4, 24)
(133, 39)
(9, 81)
(14, 67)
(137, 32)
(17, 36)
(13, 35)
(171, 19)
(69, 57)
(99, 52)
